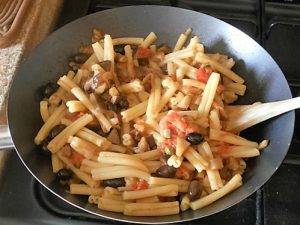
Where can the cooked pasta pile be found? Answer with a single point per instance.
(138, 126)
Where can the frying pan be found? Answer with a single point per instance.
(264, 79)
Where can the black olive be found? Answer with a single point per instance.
(79, 58)
(151, 142)
(166, 171)
(64, 174)
(99, 131)
(194, 138)
(179, 197)
(56, 130)
(43, 147)
(119, 49)
(194, 190)
(117, 182)
(122, 102)
(166, 199)
(49, 89)
(102, 133)
(111, 106)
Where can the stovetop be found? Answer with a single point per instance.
(275, 24)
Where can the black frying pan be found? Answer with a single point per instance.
(264, 79)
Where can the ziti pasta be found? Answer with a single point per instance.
(145, 130)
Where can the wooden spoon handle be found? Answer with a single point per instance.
(260, 113)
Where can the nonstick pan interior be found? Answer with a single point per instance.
(264, 79)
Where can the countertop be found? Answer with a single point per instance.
(40, 20)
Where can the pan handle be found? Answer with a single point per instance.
(5, 138)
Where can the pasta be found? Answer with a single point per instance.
(139, 128)
(52, 121)
(56, 163)
(148, 200)
(44, 110)
(151, 209)
(150, 192)
(158, 181)
(61, 139)
(111, 205)
(122, 159)
(85, 148)
(86, 178)
(182, 39)
(128, 41)
(75, 106)
(117, 172)
(82, 189)
(99, 52)
(234, 183)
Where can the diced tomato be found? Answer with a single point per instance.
(224, 149)
(140, 185)
(178, 121)
(76, 158)
(183, 173)
(173, 116)
(203, 74)
(174, 139)
(170, 126)
(169, 142)
(143, 52)
(178, 126)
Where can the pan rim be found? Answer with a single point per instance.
(137, 221)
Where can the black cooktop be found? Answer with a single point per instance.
(275, 24)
